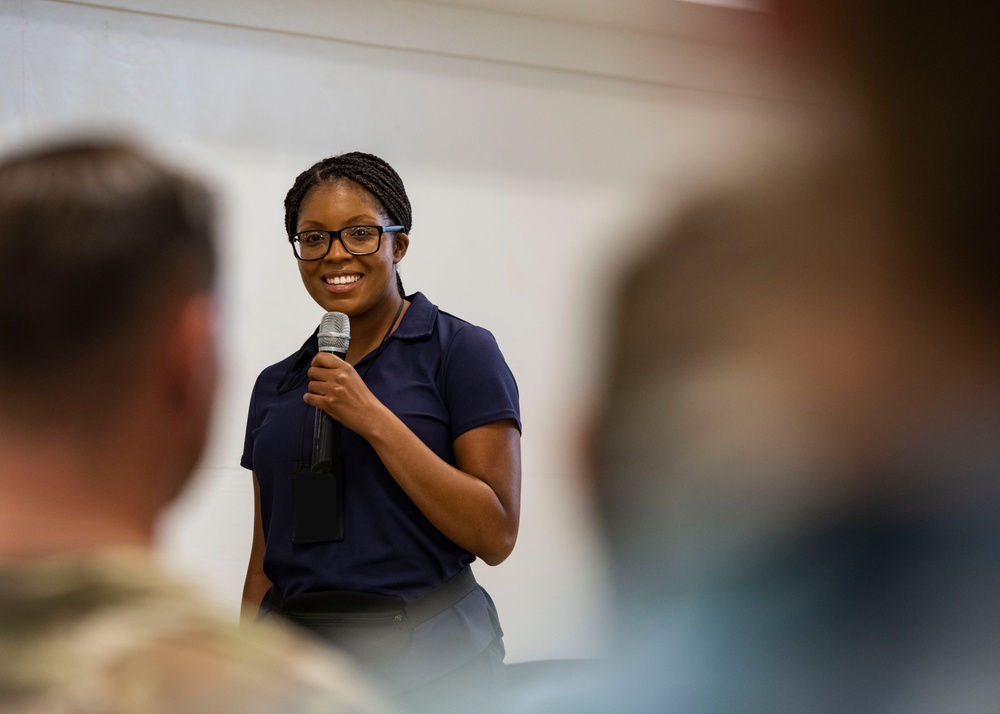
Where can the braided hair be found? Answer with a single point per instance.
(368, 171)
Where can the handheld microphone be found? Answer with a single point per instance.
(334, 336)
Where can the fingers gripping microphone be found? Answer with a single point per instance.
(334, 336)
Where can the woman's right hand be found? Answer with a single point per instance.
(337, 388)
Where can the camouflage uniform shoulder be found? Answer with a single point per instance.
(112, 632)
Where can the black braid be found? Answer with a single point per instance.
(368, 171)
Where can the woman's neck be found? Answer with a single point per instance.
(368, 331)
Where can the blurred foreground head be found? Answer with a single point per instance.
(97, 243)
(790, 332)
(799, 461)
(107, 262)
(783, 354)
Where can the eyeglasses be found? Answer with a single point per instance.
(357, 240)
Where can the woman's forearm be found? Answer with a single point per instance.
(476, 504)
(256, 582)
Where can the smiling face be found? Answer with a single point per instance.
(358, 286)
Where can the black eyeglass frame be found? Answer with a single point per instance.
(331, 235)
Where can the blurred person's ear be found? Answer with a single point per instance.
(190, 358)
(187, 368)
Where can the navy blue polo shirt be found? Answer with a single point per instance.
(442, 376)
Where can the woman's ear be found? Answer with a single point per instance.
(399, 245)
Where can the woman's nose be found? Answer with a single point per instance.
(337, 252)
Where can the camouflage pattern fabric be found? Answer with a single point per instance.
(110, 633)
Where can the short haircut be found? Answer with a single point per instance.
(97, 239)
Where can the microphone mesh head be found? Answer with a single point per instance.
(334, 333)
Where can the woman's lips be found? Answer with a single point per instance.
(341, 283)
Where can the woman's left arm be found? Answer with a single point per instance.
(476, 503)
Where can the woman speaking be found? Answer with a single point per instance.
(372, 550)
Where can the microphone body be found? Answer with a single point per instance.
(334, 336)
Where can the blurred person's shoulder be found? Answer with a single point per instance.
(113, 632)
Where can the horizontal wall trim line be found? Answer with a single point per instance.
(507, 40)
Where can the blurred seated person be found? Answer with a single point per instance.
(107, 369)
(798, 461)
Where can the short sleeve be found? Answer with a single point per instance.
(478, 386)
(246, 461)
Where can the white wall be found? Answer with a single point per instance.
(532, 147)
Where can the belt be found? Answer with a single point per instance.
(444, 596)
(432, 603)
